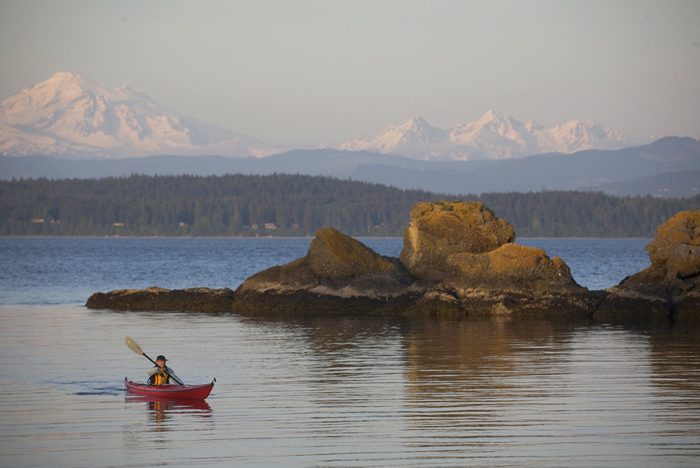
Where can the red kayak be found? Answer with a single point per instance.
(171, 391)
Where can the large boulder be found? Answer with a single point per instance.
(335, 256)
(438, 230)
(676, 248)
(670, 287)
(510, 264)
(338, 272)
(515, 279)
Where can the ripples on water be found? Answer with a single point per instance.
(348, 391)
(327, 391)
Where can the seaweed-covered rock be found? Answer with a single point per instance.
(154, 298)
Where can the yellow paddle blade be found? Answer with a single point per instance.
(134, 346)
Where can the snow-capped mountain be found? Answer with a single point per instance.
(493, 136)
(72, 116)
(414, 137)
(576, 136)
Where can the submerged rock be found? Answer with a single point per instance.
(670, 287)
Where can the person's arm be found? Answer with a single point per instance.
(152, 371)
(172, 373)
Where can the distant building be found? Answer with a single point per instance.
(270, 226)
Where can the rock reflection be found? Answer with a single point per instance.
(488, 386)
(675, 360)
(470, 374)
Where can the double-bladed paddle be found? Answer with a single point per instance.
(134, 346)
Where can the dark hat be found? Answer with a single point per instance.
(161, 358)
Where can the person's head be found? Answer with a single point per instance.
(160, 360)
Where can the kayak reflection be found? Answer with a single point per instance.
(161, 409)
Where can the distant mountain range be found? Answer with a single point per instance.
(74, 117)
(493, 136)
(669, 167)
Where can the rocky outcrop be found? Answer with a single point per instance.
(440, 229)
(515, 279)
(458, 259)
(670, 287)
(338, 272)
(676, 248)
(154, 298)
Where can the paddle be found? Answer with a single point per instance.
(134, 346)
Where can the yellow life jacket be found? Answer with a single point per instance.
(160, 378)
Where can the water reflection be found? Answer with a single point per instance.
(491, 387)
(163, 416)
(351, 391)
(161, 409)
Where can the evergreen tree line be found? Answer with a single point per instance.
(296, 205)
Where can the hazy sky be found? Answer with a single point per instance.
(326, 71)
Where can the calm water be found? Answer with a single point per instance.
(328, 391)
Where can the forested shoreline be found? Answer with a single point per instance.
(297, 205)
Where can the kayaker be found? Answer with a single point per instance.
(160, 373)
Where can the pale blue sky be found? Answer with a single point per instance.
(307, 72)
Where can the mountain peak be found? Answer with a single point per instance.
(66, 78)
(74, 116)
(63, 76)
(493, 115)
(418, 120)
(415, 137)
(416, 125)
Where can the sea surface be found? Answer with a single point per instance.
(323, 390)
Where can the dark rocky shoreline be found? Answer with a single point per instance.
(458, 260)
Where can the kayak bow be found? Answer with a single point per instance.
(175, 392)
